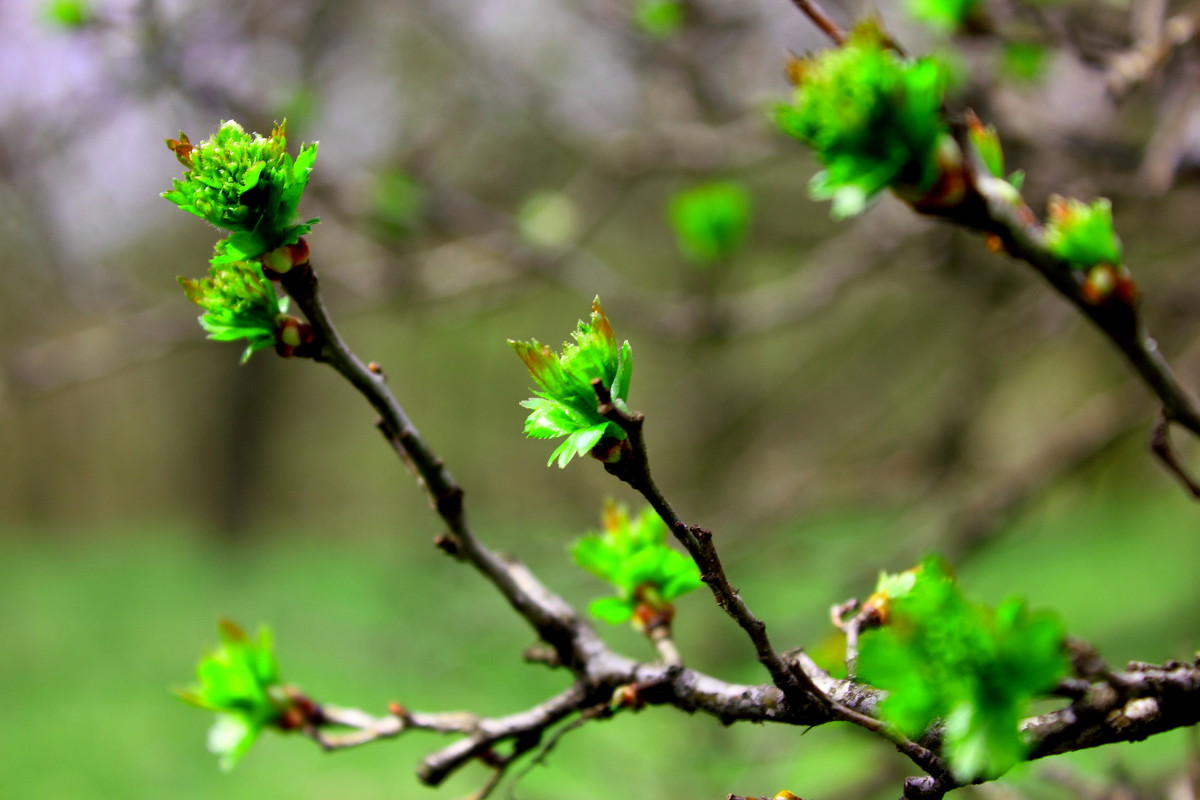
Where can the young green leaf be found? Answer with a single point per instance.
(710, 220)
(948, 15)
(942, 656)
(240, 682)
(874, 120)
(566, 403)
(246, 184)
(238, 302)
(633, 555)
(1082, 234)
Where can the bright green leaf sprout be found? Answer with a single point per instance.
(238, 302)
(942, 656)
(949, 15)
(873, 118)
(710, 220)
(567, 405)
(633, 555)
(1082, 234)
(240, 682)
(246, 184)
(658, 19)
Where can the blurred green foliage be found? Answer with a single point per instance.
(658, 19)
(240, 682)
(942, 656)
(633, 555)
(710, 220)
(68, 14)
(872, 117)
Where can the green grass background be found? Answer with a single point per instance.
(102, 623)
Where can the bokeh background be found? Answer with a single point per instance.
(837, 399)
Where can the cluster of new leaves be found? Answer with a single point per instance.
(246, 184)
(942, 656)
(1082, 234)
(240, 682)
(566, 404)
(873, 117)
(238, 303)
(710, 220)
(633, 555)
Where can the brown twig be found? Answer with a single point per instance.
(822, 20)
(633, 467)
(1160, 445)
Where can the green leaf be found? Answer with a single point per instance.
(710, 220)
(566, 404)
(612, 610)
(238, 301)
(942, 656)
(240, 682)
(873, 119)
(1081, 233)
(633, 555)
(246, 184)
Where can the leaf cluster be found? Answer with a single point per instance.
(238, 302)
(240, 682)
(633, 555)
(566, 403)
(873, 118)
(1081, 233)
(710, 220)
(943, 656)
(246, 184)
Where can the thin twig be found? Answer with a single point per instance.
(633, 467)
(1160, 445)
(822, 20)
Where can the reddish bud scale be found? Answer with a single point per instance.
(290, 719)
(397, 710)
(876, 608)
(950, 187)
(294, 338)
(182, 148)
(609, 450)
(281, 260)
(627, 696)
(1099, 284)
